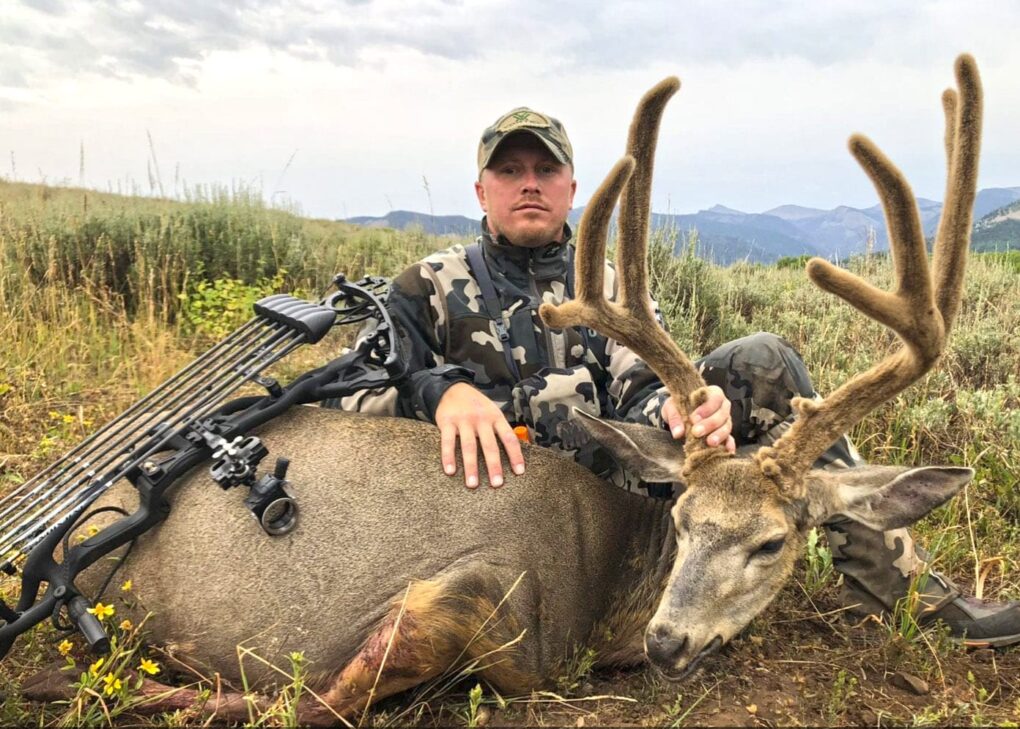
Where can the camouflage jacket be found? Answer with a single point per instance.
(449, 338)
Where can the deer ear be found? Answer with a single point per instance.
(884, 497)
(649, 453)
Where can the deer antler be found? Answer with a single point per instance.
(630, 319)
(922, 308)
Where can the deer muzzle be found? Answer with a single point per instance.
(673, 655)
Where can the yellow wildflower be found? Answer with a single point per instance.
(65, 647)
(150, 667)
(102, 611)
(67, 418)
(126, 587)
(93, 530)
(113, 684)
(126, 625)
(94, 668)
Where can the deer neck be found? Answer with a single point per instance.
(618, 638)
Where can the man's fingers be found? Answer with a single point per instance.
(716, 399)
(718, 436)
(447, 448)
(469, 454)
(731, 445)
(490, 449)
(511, 445)
(673, 418)
(716, 425)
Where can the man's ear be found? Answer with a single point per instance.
(480, 193)
(649, 453)
(882, 497)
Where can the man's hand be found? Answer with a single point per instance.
(712, 417)
(467, 414)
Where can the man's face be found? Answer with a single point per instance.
(526, 193)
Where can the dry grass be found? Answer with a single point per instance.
(91, 317)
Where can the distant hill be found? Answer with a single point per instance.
(727, 235)
(999, 230)
(430, 224)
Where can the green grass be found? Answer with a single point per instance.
(103, 297)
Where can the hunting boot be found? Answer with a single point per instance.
(880, 569)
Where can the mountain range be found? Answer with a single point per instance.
(726, 235)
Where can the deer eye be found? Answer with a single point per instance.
(771, 547)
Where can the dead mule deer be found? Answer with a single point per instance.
(395, 573)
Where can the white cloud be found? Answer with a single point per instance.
(373, 96)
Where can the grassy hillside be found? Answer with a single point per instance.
(147, 250)
(103, 297)
(999, 230)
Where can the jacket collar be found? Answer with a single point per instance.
(544, 262)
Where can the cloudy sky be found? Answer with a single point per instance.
(348, 108)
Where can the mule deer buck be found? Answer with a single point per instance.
(394, 574)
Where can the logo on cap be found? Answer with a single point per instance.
(523, 118)
(548, 130)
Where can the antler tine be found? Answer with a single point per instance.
(635, 203)
(630, 322)
(949, 101)
(910, 311)
(963, 142)
(592, 233)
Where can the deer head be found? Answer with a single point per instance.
(740, 521)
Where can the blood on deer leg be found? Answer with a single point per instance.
(430, 628)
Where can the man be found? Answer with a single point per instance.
(482, 361)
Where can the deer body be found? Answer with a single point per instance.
(372, 525)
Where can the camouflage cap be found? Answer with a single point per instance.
(522, 119)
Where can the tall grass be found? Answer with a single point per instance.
(92, 287)
(145, 251)
(97, 305)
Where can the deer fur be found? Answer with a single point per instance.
(396, 573)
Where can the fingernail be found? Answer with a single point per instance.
(697, 431)
(450, 469)
(472, 482)
(496, 481)
(519, 469)
(713, 441)
(678, 431)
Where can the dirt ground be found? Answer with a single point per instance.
(798, 664)
(803, 662)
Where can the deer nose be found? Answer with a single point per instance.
(663, 647)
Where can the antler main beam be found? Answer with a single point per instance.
(630, 320)
(922, 308)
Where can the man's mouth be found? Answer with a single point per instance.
(531, 206)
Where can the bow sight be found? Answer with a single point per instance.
(184, 421)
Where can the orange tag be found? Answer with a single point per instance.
(521, 431)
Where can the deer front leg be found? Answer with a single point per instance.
(53, 685)
(435, 626)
